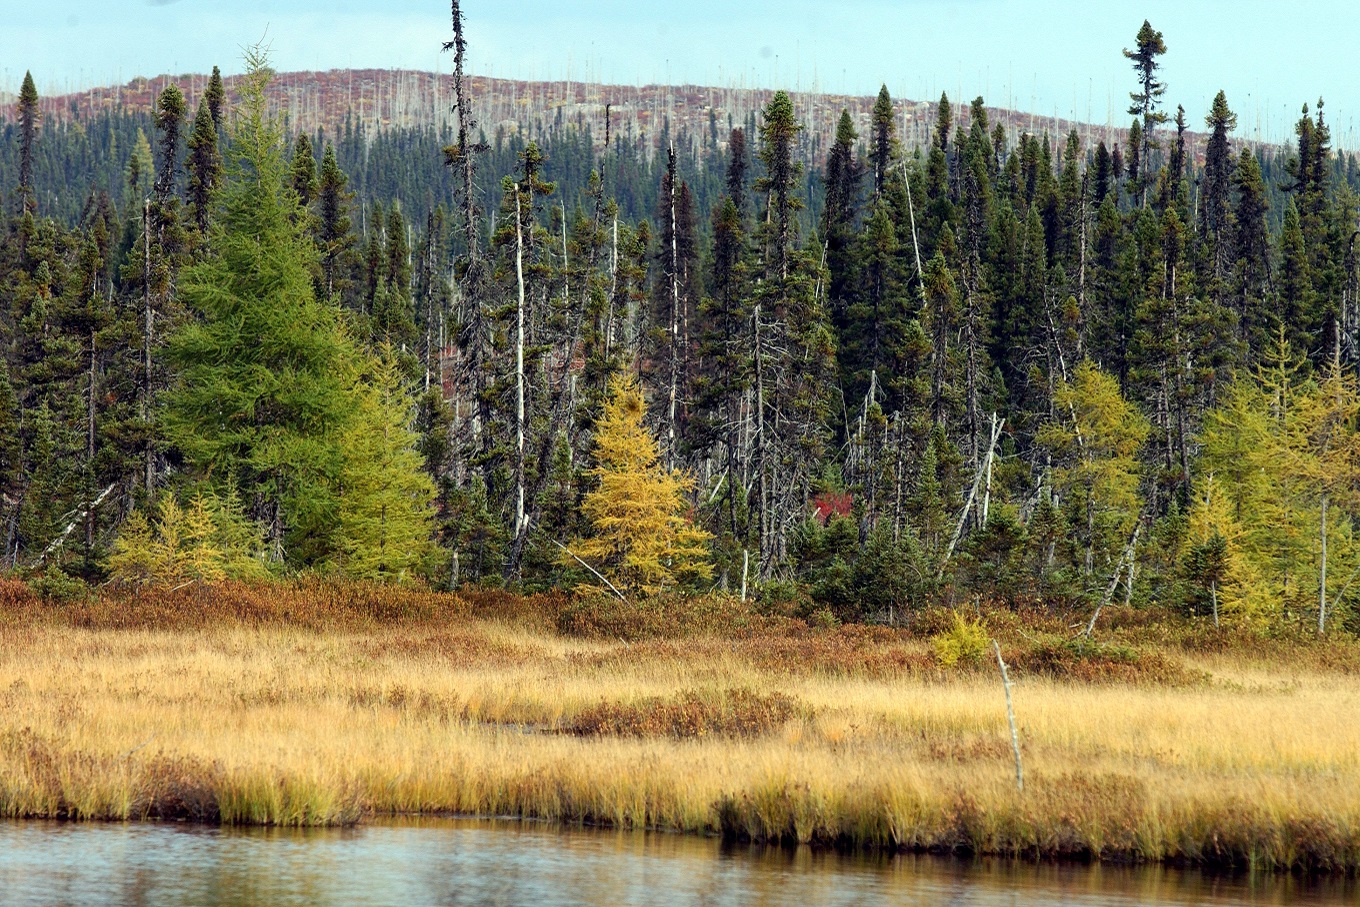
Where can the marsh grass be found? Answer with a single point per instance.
(318, 704)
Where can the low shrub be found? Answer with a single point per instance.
(58, 587)
(691, 714)
(966, 641)
(311, 603)
(1088, 661)
(668, 616)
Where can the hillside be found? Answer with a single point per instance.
(407, 98)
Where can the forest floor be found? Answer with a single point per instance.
(314, 704)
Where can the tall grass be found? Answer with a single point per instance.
(320, 705)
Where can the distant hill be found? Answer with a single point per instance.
(406, 98)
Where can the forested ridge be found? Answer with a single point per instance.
(857, 382)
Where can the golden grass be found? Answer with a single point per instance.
(245, 721)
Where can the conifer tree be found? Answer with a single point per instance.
(28, 116)
(1097, 441)
(384, 515)
(1134, 162)
(1216, 187)
(839, 212)
(736, 170)
(304, 179)
(205, 167)
(725, 350)
(1296, 299)
(1105, 176)
(169, 118)
(1251, 254)
(1146, 101)
(392, 313)
(215, 97)
(880, 156)
(794, 348)
(335, 232)
(266, 371)
(940, 316)
(641, 538)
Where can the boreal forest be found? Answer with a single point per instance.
(1019, 368)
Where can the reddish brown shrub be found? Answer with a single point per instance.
(733, 713)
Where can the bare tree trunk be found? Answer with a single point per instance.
(519, 371)
(672, 399)
(1010, 717)
(1322, 580)
(763, 493)
(148, 477)
(89, 449)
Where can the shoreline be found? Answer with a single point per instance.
(1226, 754)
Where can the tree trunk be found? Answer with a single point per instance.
(1322, 579)
(763, 494)
(89, 452)
(519, 372)
(672, 398)
(148, 476)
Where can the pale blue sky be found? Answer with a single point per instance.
(1046, 56)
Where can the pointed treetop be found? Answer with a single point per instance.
(215, 97)
(845, 130)
(1220, 115)
(28, 94)
(883, 107)
(944, 121)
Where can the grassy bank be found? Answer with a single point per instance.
(318, 705)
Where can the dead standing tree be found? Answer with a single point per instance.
(471, 401)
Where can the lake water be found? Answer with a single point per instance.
(509, 863)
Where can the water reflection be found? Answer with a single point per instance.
(505, 863)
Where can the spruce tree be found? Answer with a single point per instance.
(205, 167)
(28, 116)
(1216, 186)
(793, 344)
(1146, 101)
(1105, 176)
(880, 155)
(1250, 255)
(1134, 162)
(335, 232)
(215, 97)
(1296, 298)
(736, 170)
(838, 217)
(303, 178)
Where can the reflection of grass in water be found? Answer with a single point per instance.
(852, 737)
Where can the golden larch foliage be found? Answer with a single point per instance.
(642, 538)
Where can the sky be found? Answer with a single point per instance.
(1056, 57)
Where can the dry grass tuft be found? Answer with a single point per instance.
(690, 715)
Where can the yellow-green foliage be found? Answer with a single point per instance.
(1276, 449)
(209, 541)
(965, 641)
(386, 498)
(1234, 573)
(1096, 440)
(642, 538)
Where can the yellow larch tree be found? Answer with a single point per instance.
(642, 538)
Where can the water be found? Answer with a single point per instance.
(507, 863)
